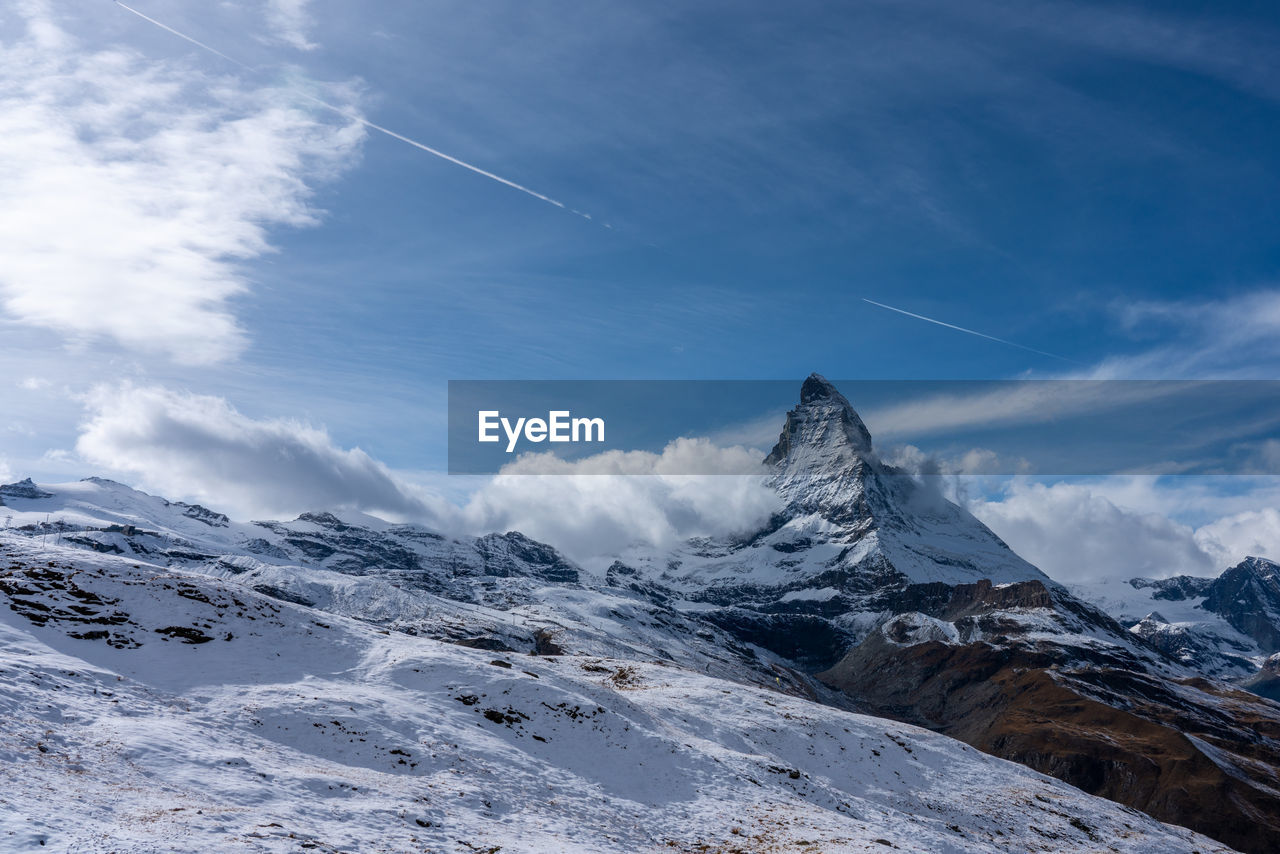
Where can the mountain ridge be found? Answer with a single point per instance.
(865, 573)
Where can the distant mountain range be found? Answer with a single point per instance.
(755, 671)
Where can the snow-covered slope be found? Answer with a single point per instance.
(499, 591)
(153, 709)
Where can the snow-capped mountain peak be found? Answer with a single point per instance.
(823, 460)
(826, 470)
(824, 420)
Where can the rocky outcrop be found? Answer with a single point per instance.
(824, 417)
(1248, 597)
(514, 554)
(811, 642)
(1193, 645)
(23, 489)
(203, 514)
(1179, 588)
(1186, 751)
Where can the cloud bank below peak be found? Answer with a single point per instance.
(600, 505)
(200, 447)
(1134, 526)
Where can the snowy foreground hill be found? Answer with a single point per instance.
(178, 680)
(150, 709)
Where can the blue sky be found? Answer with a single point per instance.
(1094, 180)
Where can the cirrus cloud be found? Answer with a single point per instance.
(290, 22)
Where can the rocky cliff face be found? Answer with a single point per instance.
(22, 489)
(1266, 682)
(826, 470)
(1195, 645)
(1248, 597)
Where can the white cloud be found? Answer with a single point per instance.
(600, 505)
(131, 192)
(1252, 532)
(970, 462)
(760, 432)
(1074, 535)
(198, 447)
(290, 22)
(1006, 404)
(1123, 527)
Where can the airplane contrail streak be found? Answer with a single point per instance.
(183, 36)
(971, 332)
(356, 118)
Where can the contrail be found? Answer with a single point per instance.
(972, 332)
(198, 44)
(356, 118)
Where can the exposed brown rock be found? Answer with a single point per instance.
(1189, 752)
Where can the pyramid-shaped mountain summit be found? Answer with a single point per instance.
(853, 532)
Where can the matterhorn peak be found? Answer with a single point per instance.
(818, 387)
(830, 479)
(825, 422)
(823, 457)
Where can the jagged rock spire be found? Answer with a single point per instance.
(823, 458)
(824, 427)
